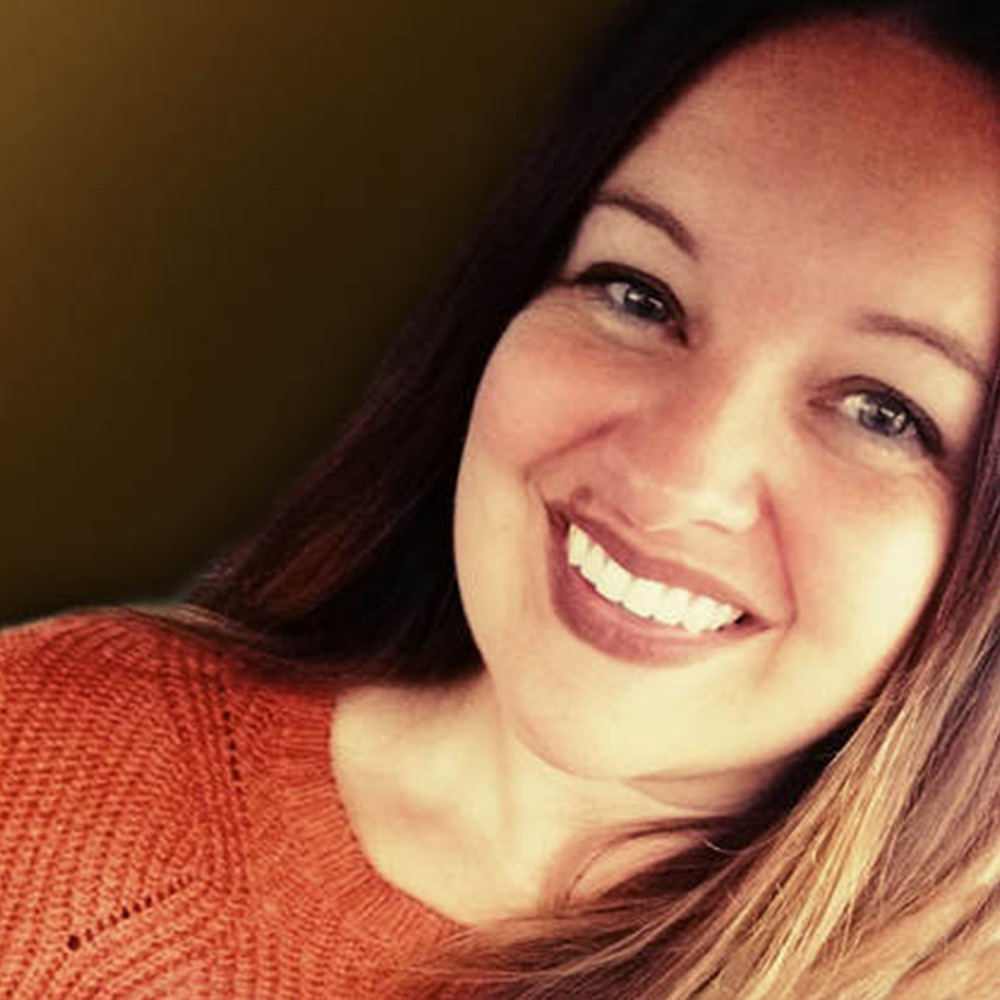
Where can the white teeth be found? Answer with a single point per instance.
(725, 614)
(642, 597)
(593, 564)
(645, 598)
(673, 606)
(577, 546)
(613, 581)
(700, 614)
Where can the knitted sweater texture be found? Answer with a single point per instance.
(171, 829)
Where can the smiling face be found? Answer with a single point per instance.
(754, 385)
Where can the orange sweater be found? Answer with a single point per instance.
(170, 830)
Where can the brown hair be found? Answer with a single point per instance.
(859, 870)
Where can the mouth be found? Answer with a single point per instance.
(671, 615)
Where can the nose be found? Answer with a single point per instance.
(692, 456)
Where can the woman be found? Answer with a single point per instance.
(702, 700)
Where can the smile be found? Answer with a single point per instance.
(658, 612)
(644, 598)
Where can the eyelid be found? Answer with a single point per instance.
(608, 272)
(926, 427)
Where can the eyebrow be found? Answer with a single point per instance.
(655, 214)
(945, 343)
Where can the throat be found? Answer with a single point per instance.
(448, 814)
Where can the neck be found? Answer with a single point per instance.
(454, 807)
(489, 796)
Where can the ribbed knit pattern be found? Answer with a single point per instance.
(170, 829)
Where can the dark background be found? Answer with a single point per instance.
(213, 213)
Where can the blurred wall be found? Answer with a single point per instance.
(212, 215)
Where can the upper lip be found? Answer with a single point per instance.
(669, 571)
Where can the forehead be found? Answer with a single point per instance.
(837, 142)
(853, 95)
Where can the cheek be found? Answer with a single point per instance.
(865, 566)
(539, 397)
(534, 398)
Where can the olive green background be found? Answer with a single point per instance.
(213, 213)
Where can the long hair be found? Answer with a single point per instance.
(853, 876)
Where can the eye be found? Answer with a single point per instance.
(639, 300)
(883, 413)
(634, 295)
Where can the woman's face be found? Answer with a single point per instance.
(754, 386)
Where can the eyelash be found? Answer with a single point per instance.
(603, 276)
(918, 428)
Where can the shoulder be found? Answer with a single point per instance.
(104, 702)
(113, 797)
(86, 646)
(113, 667)
(121, 636)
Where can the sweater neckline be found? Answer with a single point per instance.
(311, 861)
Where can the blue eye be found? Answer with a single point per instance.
(888, 416)
(634, 294)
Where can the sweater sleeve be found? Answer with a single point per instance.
(109, 834)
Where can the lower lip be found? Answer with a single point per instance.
(617, 632)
